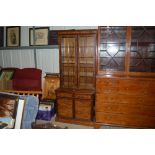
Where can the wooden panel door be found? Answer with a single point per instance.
(68, 56)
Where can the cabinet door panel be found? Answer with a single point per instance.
(112, 44)
(65, 108)
(83, 109)
(142, 57)
(68, 61)
(86, 61)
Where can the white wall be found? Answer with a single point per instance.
(47, 59)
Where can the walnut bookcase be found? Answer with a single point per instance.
(125, 83)
(75, 98)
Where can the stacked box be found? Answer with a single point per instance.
(46, 110)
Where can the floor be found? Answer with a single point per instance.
(74, 126)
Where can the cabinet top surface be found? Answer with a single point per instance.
(68, 32)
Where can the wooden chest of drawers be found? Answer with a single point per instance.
(75, 104)
(126, 101)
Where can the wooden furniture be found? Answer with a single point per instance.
(27, 79)
(75, 98)
(125, 84)
(38, 94)
(75, 104)
(51, 83)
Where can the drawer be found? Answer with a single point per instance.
(65, 108)
(107, 84)
(125, 120)
(83, 96)
(126, 109)
(133, 86)
(64, 94)
(125, 99)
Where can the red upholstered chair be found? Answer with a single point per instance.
(27, 79)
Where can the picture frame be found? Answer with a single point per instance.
(6, 75)
(13, 36)
(1, 36)
(40, 34)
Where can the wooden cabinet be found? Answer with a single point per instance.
(75, 98)
(51, 83)
(125, 83)
(75, 104)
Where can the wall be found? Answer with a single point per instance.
(47, 59)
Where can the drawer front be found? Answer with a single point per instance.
(83, 109)
(65, 108)
(125, 120)
(104, 85)
(125, 86)
(83, 96)
(133, 87)
(64, 94)
(126, 109)
(125, 99)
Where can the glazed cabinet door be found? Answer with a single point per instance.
(68, 51)
(86, 61)
(112, 49)
(142, 57)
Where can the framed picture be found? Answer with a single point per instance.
(13, 36)
(1, 36)
(6, 75)
(39, 36)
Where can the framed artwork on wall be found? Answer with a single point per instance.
(38, 36)
(1, 36)
(13, 36)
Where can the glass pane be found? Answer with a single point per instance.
(86, 61)
(142, 57)
(112, 48)
(68, 58)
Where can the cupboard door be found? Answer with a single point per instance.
(65, 107)
(142, 58)
(112, 42)
(68, 61)
(83, 109)
(86, 61)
